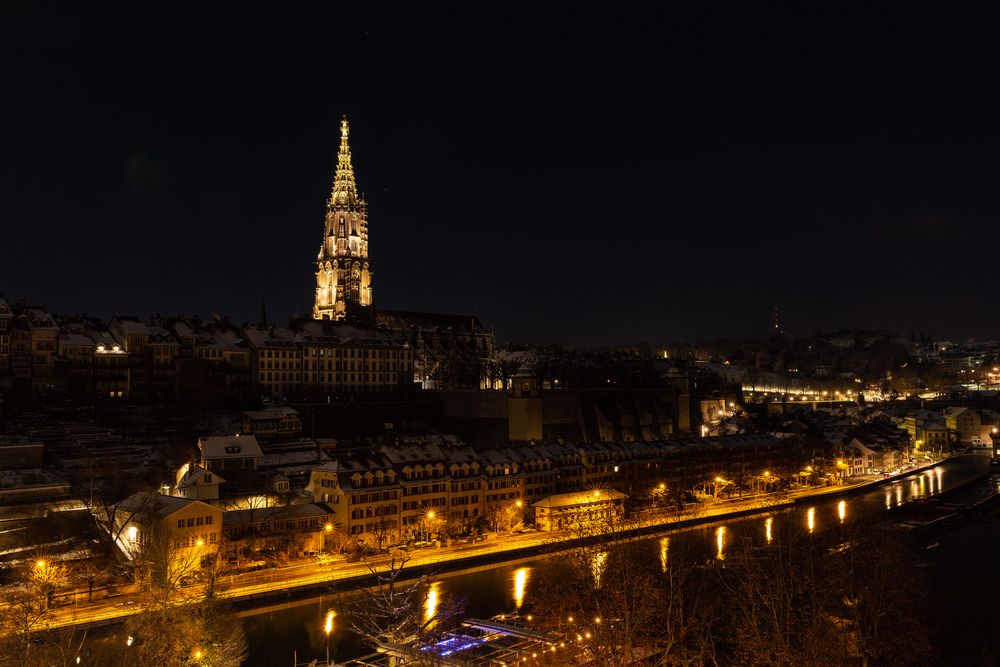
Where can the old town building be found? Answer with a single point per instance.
(320, 360)
(422, 487)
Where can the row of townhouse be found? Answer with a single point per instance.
(418, 487)
(169, 358)
(424, 486)
(195, 528)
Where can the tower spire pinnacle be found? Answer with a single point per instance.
(345, 192)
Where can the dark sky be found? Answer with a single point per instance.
(589, 174)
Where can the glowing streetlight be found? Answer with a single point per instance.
(328, 527)
(430, 518)
(519, 503)
(200, 542)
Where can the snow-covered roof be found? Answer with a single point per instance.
(154, 504)
(245, 446)
(579, 498)
(196, 474)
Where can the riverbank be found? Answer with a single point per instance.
(310, 578)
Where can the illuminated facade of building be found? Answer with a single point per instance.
(343, 270)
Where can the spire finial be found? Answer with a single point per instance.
(344, 192)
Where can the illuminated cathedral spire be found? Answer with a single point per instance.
(345, 192)
(343, 270)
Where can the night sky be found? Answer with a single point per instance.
(589, 174)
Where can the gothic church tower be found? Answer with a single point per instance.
(343, 272)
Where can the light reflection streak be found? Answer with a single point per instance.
(597, 565)
(768, 522)
(888, 499)
(664, 550)
(842, 510)
(899, 494)
(811, 519)
(720, 542)
(520, 582)
(430, 605)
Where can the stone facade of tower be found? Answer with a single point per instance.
(343, 270)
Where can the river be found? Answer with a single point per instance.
(276, 636)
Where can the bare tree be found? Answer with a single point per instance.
(601, 594)
(381, 530)
(882, 610)
(203, 633)
(165, 568)
(399, 610)
(26, 605)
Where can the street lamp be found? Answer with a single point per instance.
(429, 518)
(327, 535)
(512, 513)
(766, 478)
